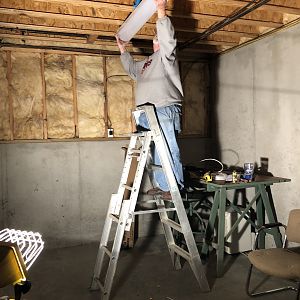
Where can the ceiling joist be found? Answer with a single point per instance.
(88, 24)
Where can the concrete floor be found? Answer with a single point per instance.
(143, 273)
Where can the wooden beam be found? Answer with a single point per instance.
(21, 13)
(74, 87)
(244, 22)
(128, 8)
(105, 96)
(61, 50)
(79, 40)
(102, 16)
(52, 29)
(117, 5)
(267, 7)
(10, 98)
(109, 33)
(45, 122)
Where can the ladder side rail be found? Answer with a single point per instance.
(169, 237)
(125, 173)
(125, 218)
(115, 252)
(165, 158)
(146, 140)
(103, 243)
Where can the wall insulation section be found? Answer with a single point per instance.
(27, 96)
(4, 99)
(119, 97)
(64, 96)
(59, 96)
(90, 96)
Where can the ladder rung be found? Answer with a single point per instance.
(152, 211)
(180, 251)
(105, 249)
(99, 284)
(154, 167)
(134, 155)
(172, 224)
(138, 134)
(133, 150)
(127, 187)
(147, 201)
(114, 217)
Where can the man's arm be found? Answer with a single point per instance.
(127, 60)
(161, 8)
(165, 33)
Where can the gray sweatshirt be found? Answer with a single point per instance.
(157, 76)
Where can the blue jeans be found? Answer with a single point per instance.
(169, 121)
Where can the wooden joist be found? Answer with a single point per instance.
(88, 24)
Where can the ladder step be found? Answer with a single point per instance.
(115, 218)
(172, 224)
(127, 187)
(154, 167)
(138, 134)
(152, 211)
(134, 150)
(183, 253)
(105, 249)
(96, 281)
(134, 155)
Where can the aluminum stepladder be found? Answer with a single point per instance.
(123, 209)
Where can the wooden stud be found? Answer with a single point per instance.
(45, 123)
(133, 125)
(106, 118)
(75, 104)
(10, 99)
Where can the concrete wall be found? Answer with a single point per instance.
(62, 189)
(257, 110)
(59, 189)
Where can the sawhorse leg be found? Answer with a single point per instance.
(221, 231)
(218, 208)
(271, 214)
(211, 224)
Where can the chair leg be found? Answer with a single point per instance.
(248, 281)
(249, 293)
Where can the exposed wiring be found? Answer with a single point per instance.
(213, 159)
(254, 4)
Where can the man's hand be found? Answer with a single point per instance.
(121, 44)
(161, 7)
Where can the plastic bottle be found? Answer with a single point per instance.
(136, 20)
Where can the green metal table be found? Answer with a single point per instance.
(264, 207)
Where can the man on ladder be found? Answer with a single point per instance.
(158, 83)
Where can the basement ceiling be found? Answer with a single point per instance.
(86, 26)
